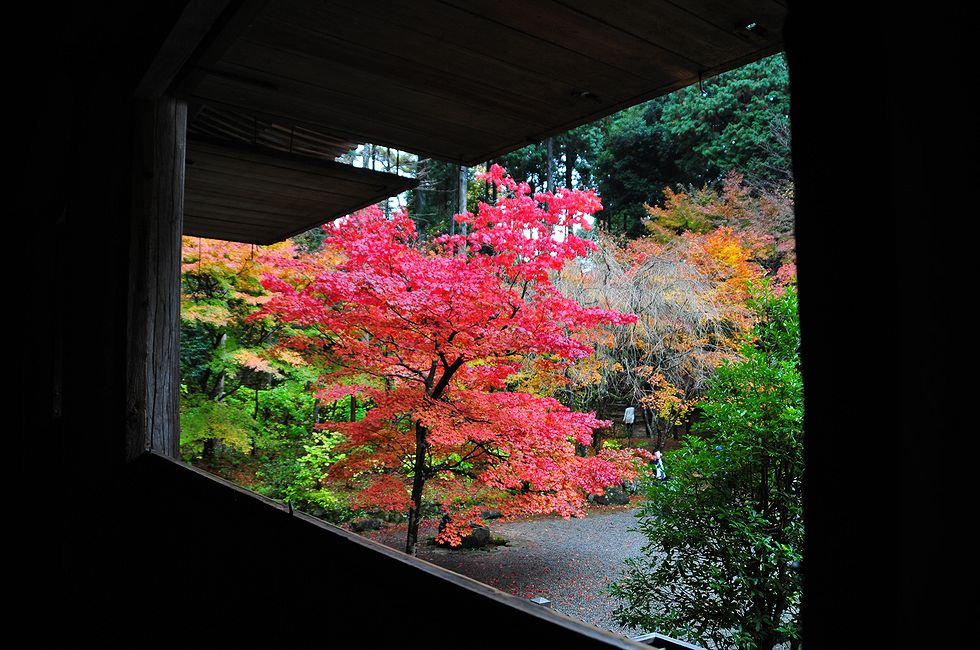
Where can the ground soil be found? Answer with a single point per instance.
(569, 562)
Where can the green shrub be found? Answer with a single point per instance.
(203, 420)
(727, 529)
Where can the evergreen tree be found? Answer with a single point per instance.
(737, 121)
(634, 166)
(434, 202)
(726, 531)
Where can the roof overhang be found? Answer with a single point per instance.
(467, 80)
(456, 80)
(260, 196)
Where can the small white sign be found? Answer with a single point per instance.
(628, 415)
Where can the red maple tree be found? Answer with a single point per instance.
(430, 334)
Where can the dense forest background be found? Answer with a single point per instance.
(697, 209)
(738, 121)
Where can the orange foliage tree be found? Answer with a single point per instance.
(688, 283)
(222, 349)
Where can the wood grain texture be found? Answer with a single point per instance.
(258, 195)
(465, 81)
(192, 27)
(153, 359)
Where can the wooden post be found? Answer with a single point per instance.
(153, 312)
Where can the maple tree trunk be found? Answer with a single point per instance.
(255, 414)
(661, 437)
(647, 423)
(597, 441)
(205, 381)
(219, 390)
(418, 483)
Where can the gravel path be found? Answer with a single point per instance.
(569, 562)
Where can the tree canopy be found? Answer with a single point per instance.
(737, 121)
(429, 335)
(726, 531)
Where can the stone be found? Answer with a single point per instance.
(361, 525)
(614, 496)
(444, 522)
(393, 516)
(490, 514)
(478, 538)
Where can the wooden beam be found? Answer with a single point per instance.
(258, 195)
(174, 503)
(466, 81)
(312, 170)
(153, 352)
(235, 20)
(194, 24)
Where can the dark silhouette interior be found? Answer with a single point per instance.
(113, 548)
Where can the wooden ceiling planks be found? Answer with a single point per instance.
(332, 112)
(254, 195)
(671, 27)
(286, 85)
(208, 123)
(467, 80)
(586, 40)
(395, 64)
(355, 90)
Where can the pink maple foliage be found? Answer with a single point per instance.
(430, 334)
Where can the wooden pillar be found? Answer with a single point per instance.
(153, 354)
